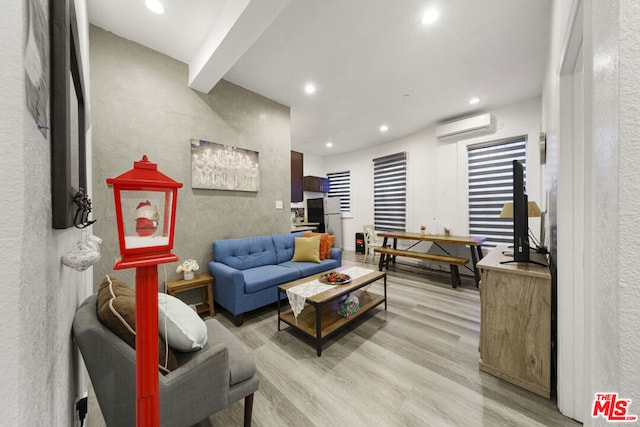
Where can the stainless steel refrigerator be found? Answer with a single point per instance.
(326, 212)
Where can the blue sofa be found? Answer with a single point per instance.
(248, 271)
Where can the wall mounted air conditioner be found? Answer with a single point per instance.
(465, 127)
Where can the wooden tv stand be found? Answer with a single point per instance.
(515, 321)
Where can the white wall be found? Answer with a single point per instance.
(561, 109)
(614, 317)
(609, 313)
(313, 165)
(39, 294)
(628, 147)
(436, 172)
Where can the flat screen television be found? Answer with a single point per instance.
(520, 215)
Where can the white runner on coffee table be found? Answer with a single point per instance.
(298, 294)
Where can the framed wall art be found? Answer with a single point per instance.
(36, 65)
(68, 126)
(223, 167)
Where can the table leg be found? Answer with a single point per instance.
(455, 276)
(382, 256)
(212, 310)
(395, 246)
(474, 260)
(278, 309)
(318, 329)
(203, 294)
(385, 291)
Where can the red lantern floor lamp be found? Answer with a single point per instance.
(145, 201)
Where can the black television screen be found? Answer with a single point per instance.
(520, 215)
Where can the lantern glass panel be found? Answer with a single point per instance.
(146, 217)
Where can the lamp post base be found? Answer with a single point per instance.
(147, 395)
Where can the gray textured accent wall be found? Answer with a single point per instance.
(141, 104)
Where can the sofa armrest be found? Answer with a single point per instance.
(209, 360)
(336, 253)
(203, 379)
(228, 285)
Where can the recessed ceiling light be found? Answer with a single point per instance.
(384, 128)
(329, 144)
(474, 100)
(155, 6)
(310, 88)
(430, 16)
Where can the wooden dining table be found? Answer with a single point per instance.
(474, 243)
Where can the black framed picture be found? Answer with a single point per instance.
(68, 126)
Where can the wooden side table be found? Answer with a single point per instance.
(202, 281)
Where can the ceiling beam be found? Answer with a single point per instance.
(239, 25)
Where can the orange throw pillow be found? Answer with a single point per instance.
(323, 242)
(330, 239)
(326, 243)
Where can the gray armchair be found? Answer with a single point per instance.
(206, 381)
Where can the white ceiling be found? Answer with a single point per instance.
(373, 61)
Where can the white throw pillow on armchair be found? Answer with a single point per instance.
(185, 330)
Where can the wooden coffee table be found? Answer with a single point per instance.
(324, 319)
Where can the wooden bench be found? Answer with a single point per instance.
(454, 262)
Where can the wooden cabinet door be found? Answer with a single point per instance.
(296, 176)
(316, 184)
(515, 327)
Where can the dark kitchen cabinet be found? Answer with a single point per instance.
(315, 183)
(296, 176)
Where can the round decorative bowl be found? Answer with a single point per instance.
(335, 278)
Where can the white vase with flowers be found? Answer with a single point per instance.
(188, 267)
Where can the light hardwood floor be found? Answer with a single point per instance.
(415, 364)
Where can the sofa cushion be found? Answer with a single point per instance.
(309, 268)
(246, 253)
(284, 244)
(307, 249)
(117, 311)
(267, 276)
(179, 325)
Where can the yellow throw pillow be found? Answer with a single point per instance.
(307, 249)
(324, 243)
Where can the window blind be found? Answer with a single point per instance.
(340, 186)
(491, 186)
(390, 192)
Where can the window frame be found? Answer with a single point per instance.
(344, 195)
(495, 189)
(390, 192)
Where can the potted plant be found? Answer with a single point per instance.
(187, 267)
